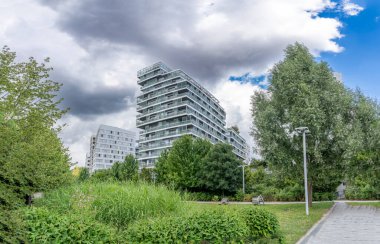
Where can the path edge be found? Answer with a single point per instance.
(303, 238)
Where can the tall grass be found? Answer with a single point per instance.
(117, 204)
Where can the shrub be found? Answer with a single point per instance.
(11, 227)
(214, 226)
(114, 203)
(119, 204)
(44, 226)
(260, 223)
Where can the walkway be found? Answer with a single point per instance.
(347, 224)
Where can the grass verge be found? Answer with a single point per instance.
(293, 221)
(372, 204)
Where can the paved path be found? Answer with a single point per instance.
(347, 224)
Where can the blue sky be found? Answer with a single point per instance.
(359, 63)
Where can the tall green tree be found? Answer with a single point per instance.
(32, 157)
(220, 170)
(303, 92)
(181, 165)
(127, 170)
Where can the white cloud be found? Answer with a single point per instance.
(350, 8)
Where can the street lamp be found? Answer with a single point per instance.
(243, 166)
(304, 130)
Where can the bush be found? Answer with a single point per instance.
(216, 226)
(364, 192)
(11, 227)
(114, 203)
(260, 223)
(44, 226)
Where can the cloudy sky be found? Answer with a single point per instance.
(97, 46)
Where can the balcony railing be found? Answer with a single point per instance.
(163, 116)
(143, 98)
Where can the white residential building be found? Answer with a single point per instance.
(172, 104)
(109, 145)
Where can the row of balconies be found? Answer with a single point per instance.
(211, 100)
(152, 95)
(146, 70)
(140, 122)
(220, 120)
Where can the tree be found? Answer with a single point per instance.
(181, 165)
(32, 157)
(127, 170)
(303, 92)
(84, 174)
(220, 170)
(147, 174)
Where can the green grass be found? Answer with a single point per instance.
(118, 204)
(293, 221)
(373, 204)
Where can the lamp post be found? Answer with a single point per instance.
(304, 130)
(243, 166)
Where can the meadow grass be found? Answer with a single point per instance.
(293, 221)
(372, 204)
(113, 203)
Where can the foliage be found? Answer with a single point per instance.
(12, 229)
(84, 174)
(220, 170)
(128, 170)
(261, 223)
(44, 226)
(303, 92)
(117, 204)
(211, 226)
(147, 175)
(360, 188)
(32, 157)
(180, 167)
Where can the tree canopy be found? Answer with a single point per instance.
(303, 92)
(32, 157)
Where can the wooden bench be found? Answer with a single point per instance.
(258, 200)
(224, 201)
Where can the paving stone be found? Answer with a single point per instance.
(347, 224)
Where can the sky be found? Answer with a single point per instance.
(96, 48)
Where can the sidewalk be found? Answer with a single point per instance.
(346, 224)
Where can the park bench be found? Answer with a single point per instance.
(258, 200)
(224, 200)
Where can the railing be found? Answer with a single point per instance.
(162, 116)
(158, 65)
(162, 107)
(141, 98)
(165, 126)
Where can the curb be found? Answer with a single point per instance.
(306, 236)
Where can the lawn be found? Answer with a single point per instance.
(373, 204)
(293, 220)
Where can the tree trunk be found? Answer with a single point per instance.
(310, 193)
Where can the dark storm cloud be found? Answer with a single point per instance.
(86, 104)
(180, 33)
(145, 25)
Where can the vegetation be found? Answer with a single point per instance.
(303, 92)
(196, 165)
(32, 157)
(120, 171)
(292, 218)
(44, 226)
(371, 204)
(138, 212)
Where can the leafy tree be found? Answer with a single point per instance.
(180, 166)
(84, 174)
(220, 170)
(303, 92)
(32, 157)
(147, 174)
(127, 170)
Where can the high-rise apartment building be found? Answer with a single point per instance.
(172, 104)
(109, 145)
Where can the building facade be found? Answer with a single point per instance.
(110, 145)
(172, 104)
